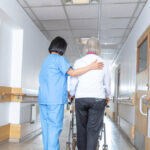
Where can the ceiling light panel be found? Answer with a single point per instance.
(112, 33)
(83, 24)
(82, 40)
(82, 11)
(49, 13)
(80, 1)
(118, 10)
(56, 25)
(38, 3)
(108, 23)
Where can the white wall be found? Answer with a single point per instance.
(4, 113)
(14, 113)
(20, 63)
(127, 61)
(127, 56)
(5, 50)
(34, 45)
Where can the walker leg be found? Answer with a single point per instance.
(97, 147)
(74, 143)
(68, 144)
(105, 146)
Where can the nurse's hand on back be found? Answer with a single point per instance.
(93, 66)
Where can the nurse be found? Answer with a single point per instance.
(53, 91)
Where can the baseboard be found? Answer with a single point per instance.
(127, 128)
(4, 132)
(31, 135)
(14, 140)
(5, 141)
(12, 133)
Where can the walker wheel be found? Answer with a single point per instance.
(68, 146)
(97, 147)
(105, 147)
(74, 143)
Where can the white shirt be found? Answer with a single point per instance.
(95, 83)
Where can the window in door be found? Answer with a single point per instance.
(142, 56)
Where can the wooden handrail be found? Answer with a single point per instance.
(126, 100)
(3, 95)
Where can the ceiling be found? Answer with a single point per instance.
(110, 20)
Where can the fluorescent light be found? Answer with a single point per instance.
(78, 2)
(81, 1)
(94, 1)
(106, 43)
(82, 40)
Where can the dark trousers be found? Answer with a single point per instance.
(89, 118)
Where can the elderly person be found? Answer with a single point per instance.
(91, 91)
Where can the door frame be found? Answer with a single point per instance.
(117, 91)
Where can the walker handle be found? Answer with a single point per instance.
(107, 106)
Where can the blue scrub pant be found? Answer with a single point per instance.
(52, 123)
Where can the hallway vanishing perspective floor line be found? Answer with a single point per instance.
(115, 139)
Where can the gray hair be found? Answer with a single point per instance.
(92, 45)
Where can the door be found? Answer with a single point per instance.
(142, 82)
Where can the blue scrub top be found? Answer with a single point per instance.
(53, 80)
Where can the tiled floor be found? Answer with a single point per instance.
(115, 140)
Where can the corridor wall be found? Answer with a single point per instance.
(35, 44)
(127, 61)
(23, 62)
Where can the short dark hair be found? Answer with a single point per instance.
(58, 45)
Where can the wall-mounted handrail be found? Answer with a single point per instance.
(125, 100)
(17, 94)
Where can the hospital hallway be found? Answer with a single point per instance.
(116, 140)
(48, 53)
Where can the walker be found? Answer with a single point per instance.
(71, 144)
